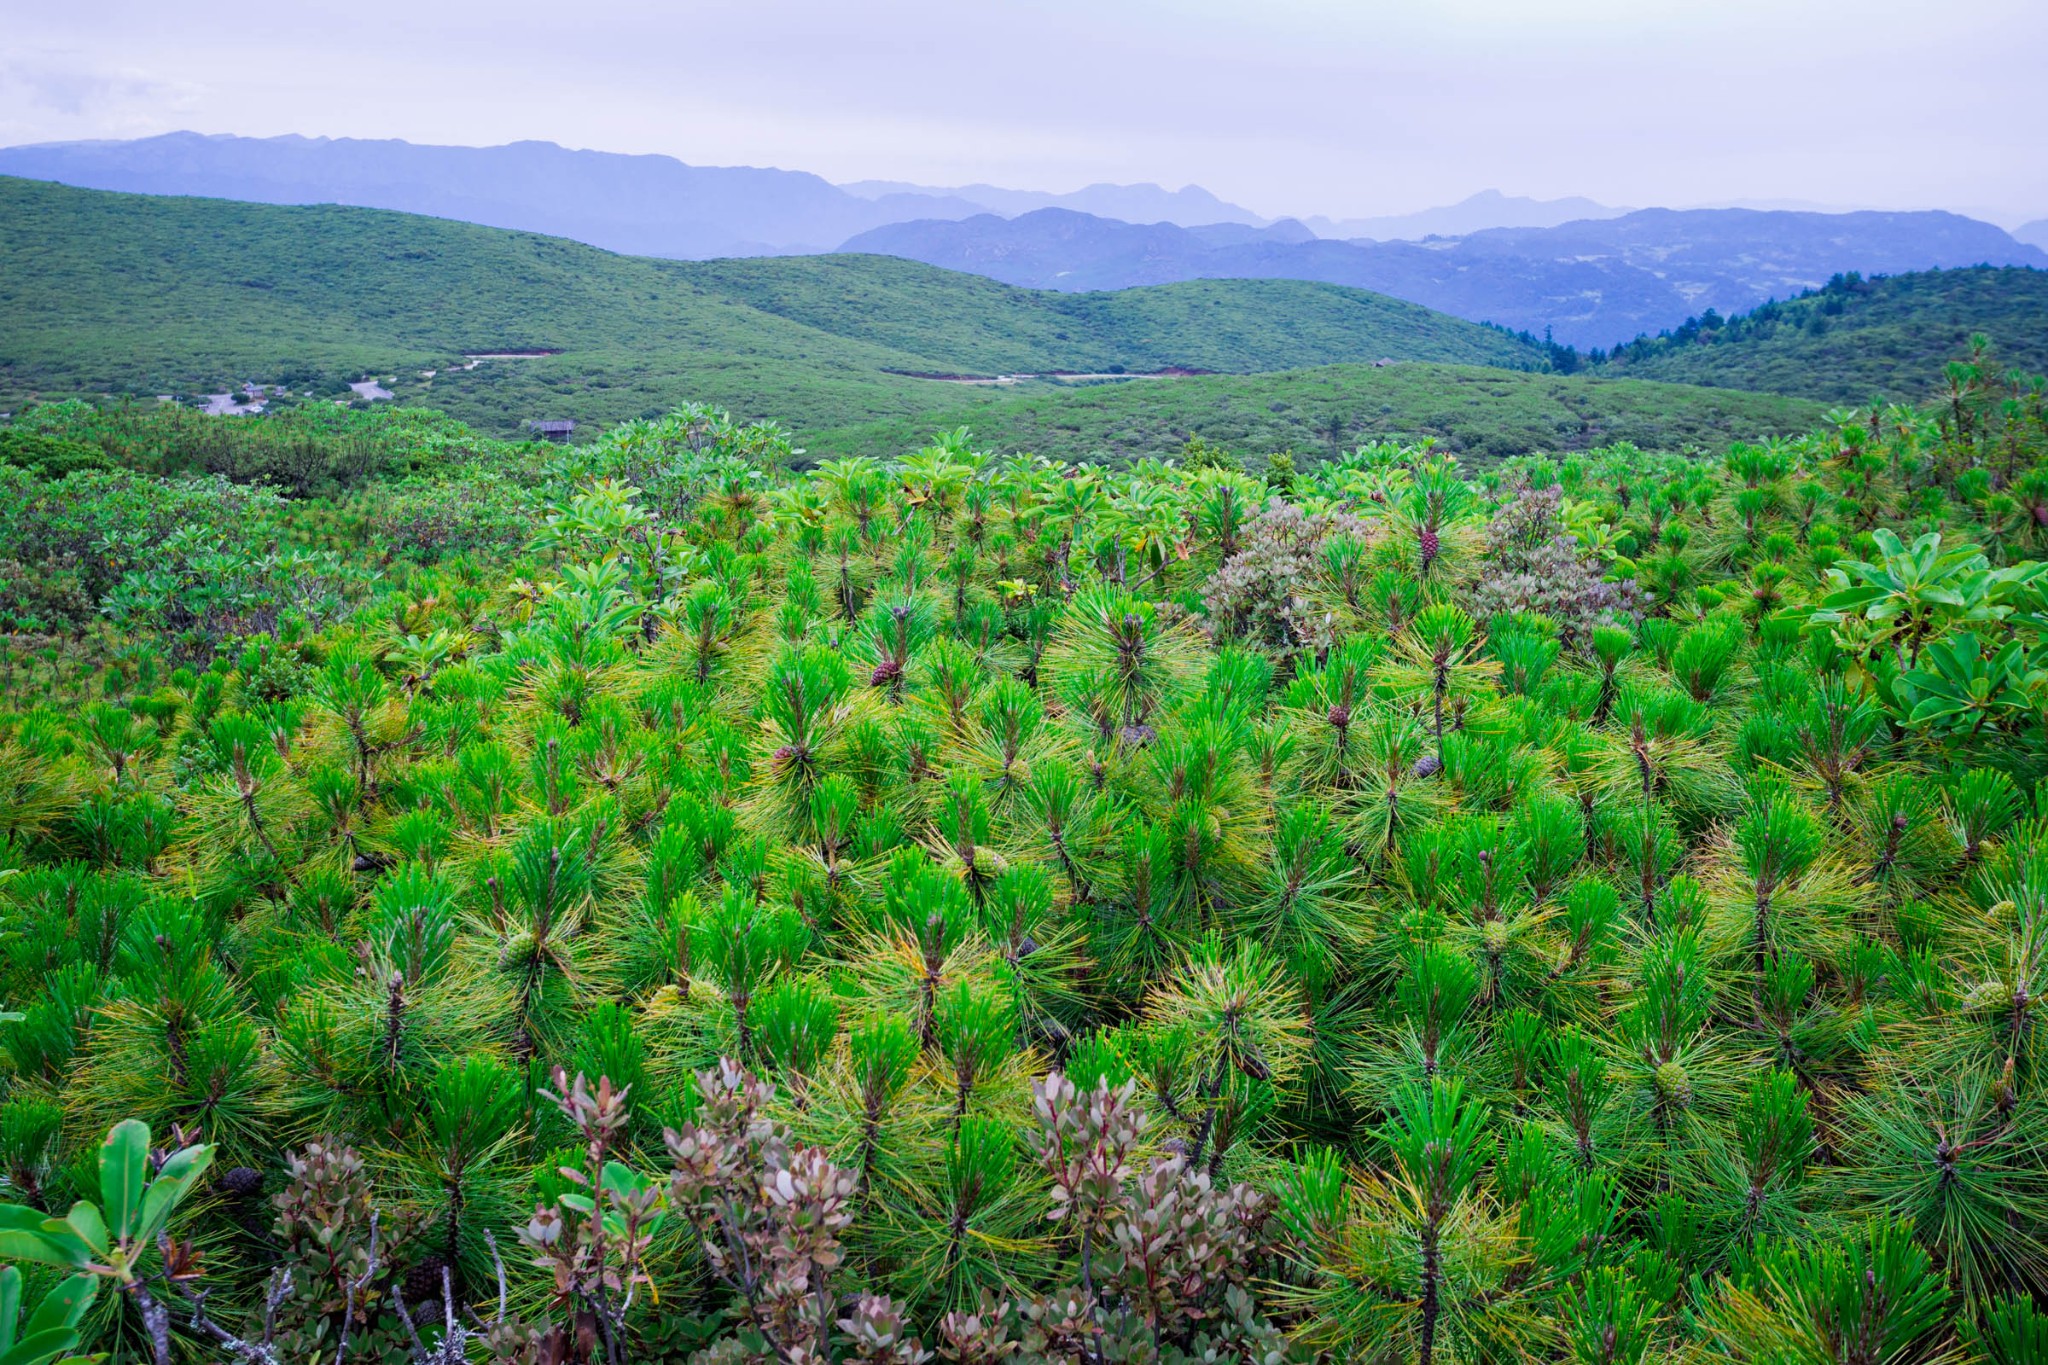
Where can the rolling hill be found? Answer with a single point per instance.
(1590, 282)
(1855, 339)
(139, 294)
(126, 294)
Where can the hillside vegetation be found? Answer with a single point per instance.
(138, 295)
(1319, 413)
(640, 904)
(1856, 339)
(133, 295)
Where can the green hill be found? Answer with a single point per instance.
(141, 294)
(1857, 339)
(138, 295)
(978, 326)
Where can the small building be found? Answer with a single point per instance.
(557, 431)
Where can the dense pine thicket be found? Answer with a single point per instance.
(1595, 911)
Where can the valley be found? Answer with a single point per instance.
(122, 296)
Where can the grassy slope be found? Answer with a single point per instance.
(121, 292)
(1479, 412)
(1888, 339)
(112, 292)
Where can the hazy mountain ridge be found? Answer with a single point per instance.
(1591, 282)
(1189, 206)
(636, 204)
(640, 205)
(1475, 213)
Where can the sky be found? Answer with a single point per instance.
(1337, 107)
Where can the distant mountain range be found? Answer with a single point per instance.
(1486, 209)
(1591, 282)
(639, 205)
(1591, 273)
(1190, 206)
(2034, 233)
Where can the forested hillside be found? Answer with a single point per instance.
(1856, 339)
(644, 902)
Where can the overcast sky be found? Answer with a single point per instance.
(1343, 107)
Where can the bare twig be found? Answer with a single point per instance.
(157, 1318)
(419, 1348)
(280, 1290)
(453, 1348)
(499, 1262)
(355, 1290)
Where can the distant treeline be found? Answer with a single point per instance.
(1852, 339)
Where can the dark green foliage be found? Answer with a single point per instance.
(48, 457)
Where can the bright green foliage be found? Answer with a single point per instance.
(120, 1239)
(52, 1331)
(1595, 911)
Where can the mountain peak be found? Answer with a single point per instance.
(1188, 206)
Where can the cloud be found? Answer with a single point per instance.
(56, 88)
(1344, 107)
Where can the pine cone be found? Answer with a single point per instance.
(423, 1281)
(240, 1182)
